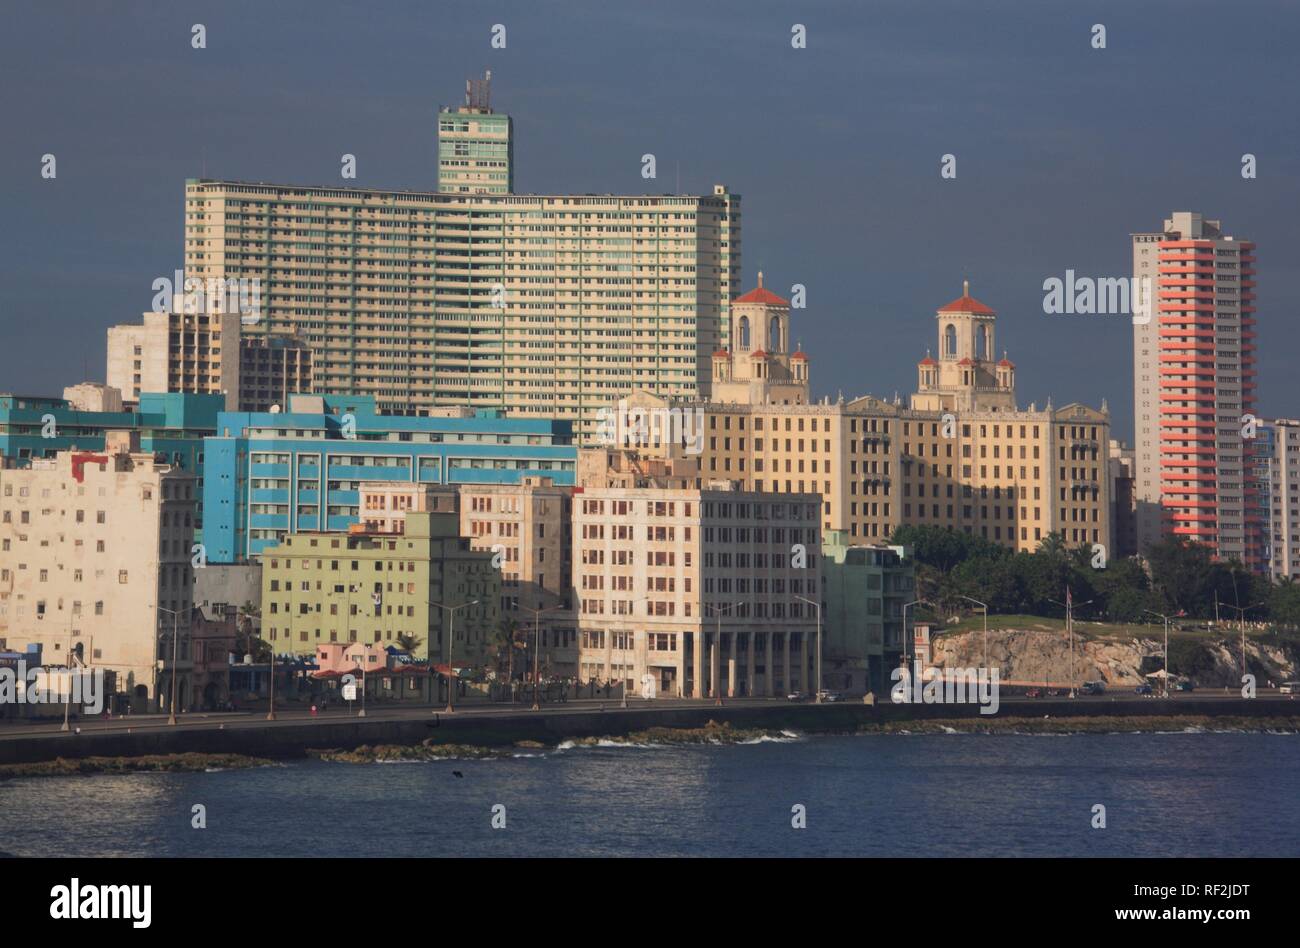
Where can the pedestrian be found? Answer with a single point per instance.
(313, 710)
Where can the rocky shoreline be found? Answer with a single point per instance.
(714, 733)
(1118, 724)
(710, 733)
(152, 763)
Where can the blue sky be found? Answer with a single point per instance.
(1062, 151)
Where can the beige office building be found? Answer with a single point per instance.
(272, 367)
(547, 306)
(176, 352)
(961, 455)
(1281, 465)
(207, 353)
(95, 547)
(526, 528)
(695, 593)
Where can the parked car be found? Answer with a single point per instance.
(1290, 688)
(1183, 686)
(830, 696)
(1094, 687)
(1143, 690)
(1033, 693)
(796, 696)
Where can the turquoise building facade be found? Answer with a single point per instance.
(270, 474)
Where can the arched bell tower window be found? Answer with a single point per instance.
(950, 340)
(743, 327)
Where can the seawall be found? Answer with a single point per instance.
(293, 738)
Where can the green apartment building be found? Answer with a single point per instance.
(545, 306)
(476, 149)
(373, 587)
(864, 589)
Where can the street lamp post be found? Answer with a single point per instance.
(718, 610)
(67, 698)
(1070, 606)
(1166, 668)
(985, 609)
(818, 607)
(537, 648)
(176, 618)
(451, 639)
(365, 655)
(1241, 622)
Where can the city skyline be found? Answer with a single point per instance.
(675, 430)
(823, 128)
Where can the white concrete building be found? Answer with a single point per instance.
(94, 550)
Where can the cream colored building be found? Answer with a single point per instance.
(525, 526)
(207, 353)
(1281, 465)
(694, 593)
(547, 306)
(93, 547)
(94, 397)
(194, 352)
(961, 455)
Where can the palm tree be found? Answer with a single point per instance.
(247, 640)
(1053, 545)
(507, 639)
(409, 641)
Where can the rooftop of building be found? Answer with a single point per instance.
(173, 410)
(325, 414)
(448, 197)
(762, 295)
(967, 304)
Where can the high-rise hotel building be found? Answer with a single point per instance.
(1194, 385)
(961, 455)
(546, 306)
(476, 150)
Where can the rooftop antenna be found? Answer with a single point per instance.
(478, 93)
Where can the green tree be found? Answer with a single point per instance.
(248, 623)
(409, 641)
(507, 639)
(1284, 604)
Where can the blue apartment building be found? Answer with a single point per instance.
(271, 473)
(171, 425)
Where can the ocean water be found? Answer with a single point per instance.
(1165, 794)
